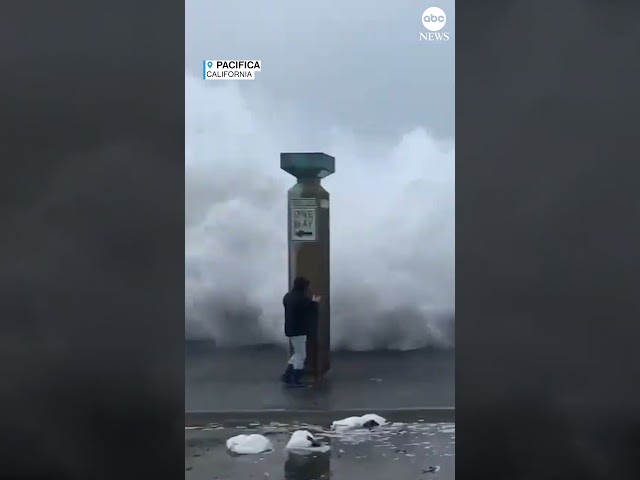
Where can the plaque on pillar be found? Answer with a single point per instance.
(308, 244)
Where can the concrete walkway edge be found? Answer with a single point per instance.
(202, 418)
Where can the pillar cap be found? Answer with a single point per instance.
(308, 164)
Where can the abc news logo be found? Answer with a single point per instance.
(434, 19)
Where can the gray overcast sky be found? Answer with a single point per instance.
(359, 66)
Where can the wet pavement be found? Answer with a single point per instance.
(247, 379)
(419, 451)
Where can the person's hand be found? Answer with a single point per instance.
(316, 298)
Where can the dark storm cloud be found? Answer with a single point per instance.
(547, 227)
(92, 216)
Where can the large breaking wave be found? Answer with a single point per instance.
(392, 228)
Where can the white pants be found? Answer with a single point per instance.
(299, 345)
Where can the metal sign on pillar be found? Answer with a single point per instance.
(308, 242)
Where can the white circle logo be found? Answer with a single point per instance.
(434, 19)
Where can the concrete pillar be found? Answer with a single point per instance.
(308, 241)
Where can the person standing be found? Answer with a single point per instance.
(300, 312)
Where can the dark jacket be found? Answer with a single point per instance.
(300, 314)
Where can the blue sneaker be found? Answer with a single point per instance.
(296, 379)
(287, 375)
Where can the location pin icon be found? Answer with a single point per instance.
(209, 64)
